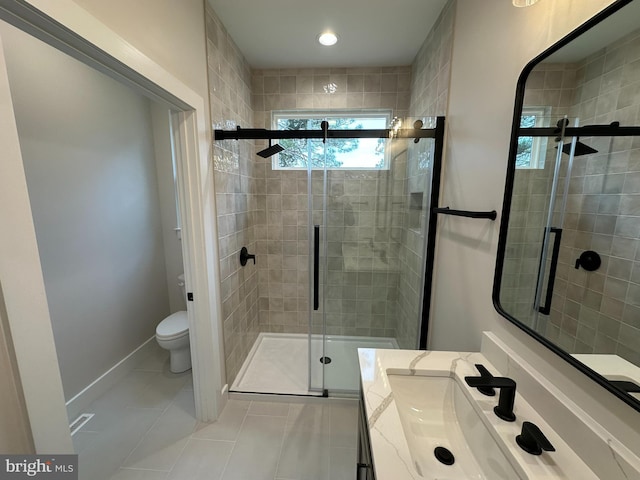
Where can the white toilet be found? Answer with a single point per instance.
(172, 334)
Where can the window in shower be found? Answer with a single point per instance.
(532, 150)
(346, 154)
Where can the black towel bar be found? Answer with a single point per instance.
(492, 215)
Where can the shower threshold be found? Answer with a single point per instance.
(278, 363)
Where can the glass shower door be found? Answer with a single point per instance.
(371, 227)
(317, 181)
(359, 288)
(552, 233)
(347, 308)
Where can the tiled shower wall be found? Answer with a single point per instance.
(361, 301)
(431, 68)
(600, 311)
(230, 97)
(550, 85)
(429, 93)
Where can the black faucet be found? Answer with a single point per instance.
(532, 440)
(484, 373)
(507, 387)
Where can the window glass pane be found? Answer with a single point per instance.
(532, 150)
(348, 153)
(525, 144)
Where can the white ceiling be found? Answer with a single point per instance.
(282, 33)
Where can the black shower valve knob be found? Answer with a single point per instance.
(245, 256)
(589, 260)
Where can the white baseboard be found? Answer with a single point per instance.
(108, 379)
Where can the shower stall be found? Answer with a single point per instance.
(341, 253)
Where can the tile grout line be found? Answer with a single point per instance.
(211, 440)
(142, 469)
(133, 450)
(146, 433)
(331, 437)
(284, 435)
(266, 415)
(164, 410)
(329, 408)
(178, 457)
(189, 438)
(235, 443)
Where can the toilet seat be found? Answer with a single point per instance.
(174, 326)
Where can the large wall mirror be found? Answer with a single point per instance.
(568, 270)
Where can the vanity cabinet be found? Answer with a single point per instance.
(364, 463)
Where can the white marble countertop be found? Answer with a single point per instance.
(611, 367)
(390, 451)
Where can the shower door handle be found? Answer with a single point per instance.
(546, 308)
(316, 266)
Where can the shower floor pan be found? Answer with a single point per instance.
(279, 363)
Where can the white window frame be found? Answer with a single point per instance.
(539, 144)
(331, 114)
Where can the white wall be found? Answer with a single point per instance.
(170, 32)
(493, 41)
(87, 148)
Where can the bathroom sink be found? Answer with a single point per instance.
(435, 412)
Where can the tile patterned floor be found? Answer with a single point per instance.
(145, 429)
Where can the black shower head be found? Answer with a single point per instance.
(270, 150)
(581, 149)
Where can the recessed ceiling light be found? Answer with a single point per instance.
(327, 39)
